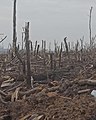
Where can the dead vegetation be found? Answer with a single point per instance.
(61, 85)
(40, 84)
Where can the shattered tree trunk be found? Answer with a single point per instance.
(14, 26)
(60, 55)
(35, 48)
(76, 49)
(42, 46)
(28, 54)
(31, 46)
(51, 61)
(22, 41)
(66, 46)
(81, 48)
(37, 51)
(82, 40)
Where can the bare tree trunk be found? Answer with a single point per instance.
(14, 26)
(28, 55)
(31, 46)
(69, 46)
(51, 61)
(38, 49)
(90, 27)
(82, 40)
(81, 51)
(76, 49)
(66, 46)
(35, 48)
(49, 47)
(22, 41)
(42, 46)
(60, 55)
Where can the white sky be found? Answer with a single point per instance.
(49, 19)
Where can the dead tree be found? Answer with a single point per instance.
(35, 48)
(90, 26)
(49, 47)
(14, 26)
(76, 49)
(37, 52)
(69, 46)
(60, 55)
(66, 46)
(28, 54)
(44, 46)
(38, 49)
(56, 48)
(81, 51)
(31, 46)
(51, 61)
(82, 40)
(76, 46)
(22, 41)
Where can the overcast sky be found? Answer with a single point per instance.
(49, 19)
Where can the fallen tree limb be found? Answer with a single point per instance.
(15, 86)
(68, 98)
(87, 82)
(84, 91)
(53, 89)
(3, 39)
(32, 91)
(3, 93)
(9, 84)
(2, 101)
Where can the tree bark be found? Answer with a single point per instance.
(90, 27)
(28, 54)
(14, 26)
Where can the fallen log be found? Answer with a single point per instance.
(67, 98)
(87, 82)
(32, 91)
(11, 89)
(53, 89)
(84, 91)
